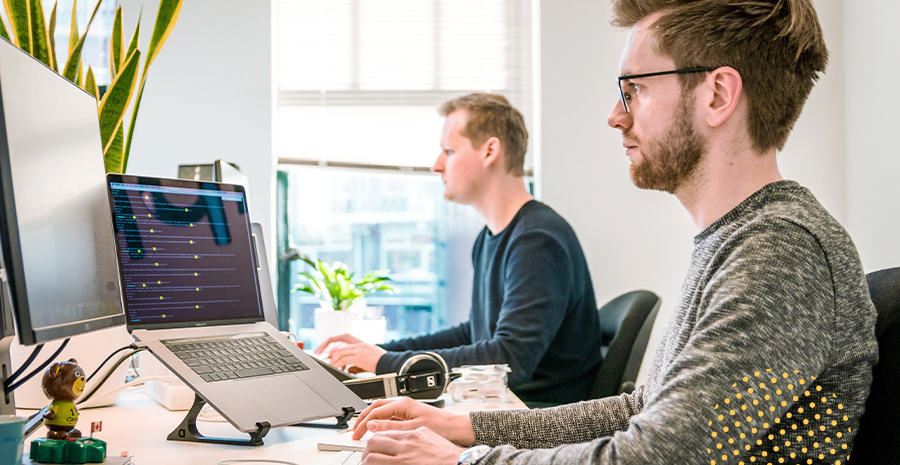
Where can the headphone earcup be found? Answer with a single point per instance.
(436, 374)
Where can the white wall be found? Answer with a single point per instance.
(638, 239)
(209, 95)
(871, 37)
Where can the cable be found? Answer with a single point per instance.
(233, 461)
(129, 346)
(8, 389)
(110, 372)
(34, 353)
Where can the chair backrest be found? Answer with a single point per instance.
(878, 439)
(625, 325)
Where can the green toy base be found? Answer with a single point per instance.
(83, 450)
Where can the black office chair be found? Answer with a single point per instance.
(878, 439)
(625, 324)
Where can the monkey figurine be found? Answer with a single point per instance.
(63, 382)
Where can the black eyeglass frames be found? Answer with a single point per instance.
(697, 69)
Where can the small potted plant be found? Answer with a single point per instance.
(341, 298)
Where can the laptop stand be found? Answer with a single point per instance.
(341, 420)
(187, 430)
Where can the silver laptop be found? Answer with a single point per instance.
(192, 295)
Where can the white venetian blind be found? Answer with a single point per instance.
(359, 81)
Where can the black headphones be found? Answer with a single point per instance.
(422, 376)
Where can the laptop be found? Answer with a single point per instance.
(192, 295)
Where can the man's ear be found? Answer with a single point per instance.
(491, 150)
(726, 87)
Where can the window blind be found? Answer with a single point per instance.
(359, 81)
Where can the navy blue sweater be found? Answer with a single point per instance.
(533, 308)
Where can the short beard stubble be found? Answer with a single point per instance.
(670, 161)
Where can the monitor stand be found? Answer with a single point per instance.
(7, 404)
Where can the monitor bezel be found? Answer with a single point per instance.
(189, 184)
(12, 253)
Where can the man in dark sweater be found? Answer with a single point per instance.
(768, 357)
(533, 304)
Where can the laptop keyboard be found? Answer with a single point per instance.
(234, 357)
(346, 458)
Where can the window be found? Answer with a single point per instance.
(358, 85)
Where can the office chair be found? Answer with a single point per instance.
(625, 324)
(878, 439)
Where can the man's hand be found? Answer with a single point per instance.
(360, 355)
(421, 446)
(346, 338)
(408, 415)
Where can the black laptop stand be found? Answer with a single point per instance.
(187, 430)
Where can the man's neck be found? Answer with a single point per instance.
(501, 201)
(722, 182)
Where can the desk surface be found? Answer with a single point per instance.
(138, 425)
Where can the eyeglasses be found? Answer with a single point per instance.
(700, 69)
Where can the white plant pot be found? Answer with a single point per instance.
(329, 322)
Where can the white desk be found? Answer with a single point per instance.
(138, 425)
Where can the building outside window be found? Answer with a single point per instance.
(358, 86)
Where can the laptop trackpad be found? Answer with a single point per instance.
(286, 398)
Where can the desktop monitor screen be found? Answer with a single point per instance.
(59, 254)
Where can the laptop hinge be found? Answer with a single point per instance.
(187, 430)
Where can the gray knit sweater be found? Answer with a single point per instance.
(768, 355)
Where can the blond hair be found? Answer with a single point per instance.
(491, 115)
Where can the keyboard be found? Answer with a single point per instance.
(346, 458)
(235, 356)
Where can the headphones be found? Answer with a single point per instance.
(422, 376)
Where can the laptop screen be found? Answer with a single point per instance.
(185, 256)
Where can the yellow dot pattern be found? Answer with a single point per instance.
(799, 436)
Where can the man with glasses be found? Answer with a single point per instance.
(768, 355)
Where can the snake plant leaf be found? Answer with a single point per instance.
(90, 84)
(73, 64)
(112, 157)
(115, 100)
(3, 32)
(115, 44)
(166, 18)
(132, 46)
(51, 36)
(73, 28)
(165, 22)
(40, 43)
(17, 12)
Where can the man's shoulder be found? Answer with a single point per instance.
(537, 216)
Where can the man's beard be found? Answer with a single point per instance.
(668, 162)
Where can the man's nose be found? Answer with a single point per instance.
(618, 118)
(438, 165)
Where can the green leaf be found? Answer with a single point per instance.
(73, 29)
(310, 277)
(165, 22)
(115, 43)
(304, 288)
(90, 85)
(112, 157)
(326, 271)
(135, 38)
(73, 64)
(3, 31)
(40, 43)
(51, 35)
(17, 12)
(115, 100)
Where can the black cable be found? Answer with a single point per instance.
(129, 346)
(109, 373)
(8, 389)
(34, 353)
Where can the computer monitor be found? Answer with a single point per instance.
(59, 269)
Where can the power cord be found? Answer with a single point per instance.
(12, 387)
(131, 346)
(34, 353)
(110, 371)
